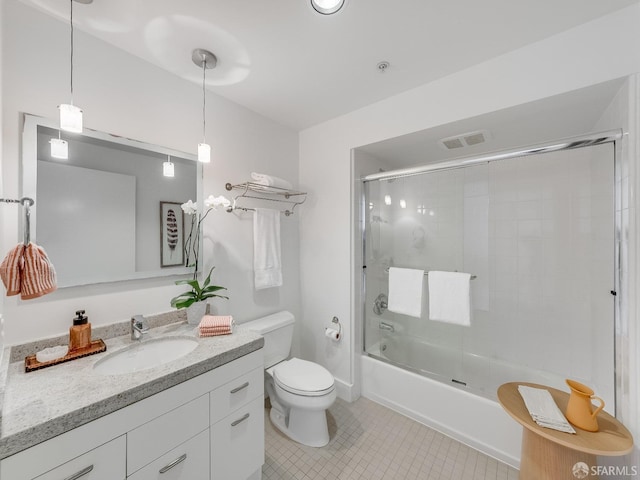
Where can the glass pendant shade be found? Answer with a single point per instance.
(168, 169)
(70, 118)
(59, 148)
(204, 153)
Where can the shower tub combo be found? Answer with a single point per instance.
(536, 229)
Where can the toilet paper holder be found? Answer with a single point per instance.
(332, 332)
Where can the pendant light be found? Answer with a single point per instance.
(59, 148)
(205, 60)
(168, 168)
(71, 115)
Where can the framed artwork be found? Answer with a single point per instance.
(171, 234)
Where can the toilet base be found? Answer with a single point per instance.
(308, 427)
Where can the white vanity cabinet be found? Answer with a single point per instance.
(210, 427)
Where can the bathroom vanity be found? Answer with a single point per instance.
(199, 417)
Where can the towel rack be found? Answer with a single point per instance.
(426, 273)
(263, 192)
(27, 203)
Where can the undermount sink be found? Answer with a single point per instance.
(144, 355)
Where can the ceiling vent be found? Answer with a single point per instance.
(465, 139)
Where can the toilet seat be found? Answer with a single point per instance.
(304, 378)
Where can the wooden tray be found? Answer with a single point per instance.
(96, 346)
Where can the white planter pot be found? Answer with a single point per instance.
(196, 311)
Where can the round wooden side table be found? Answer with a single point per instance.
(551, 454)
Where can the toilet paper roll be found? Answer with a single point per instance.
(332, 333)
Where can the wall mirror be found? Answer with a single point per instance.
(107, 213)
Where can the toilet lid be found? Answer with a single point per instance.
(301, 377)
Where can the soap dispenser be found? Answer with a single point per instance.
(80, 332)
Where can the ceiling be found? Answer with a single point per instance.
(281, 59)
(554, 118)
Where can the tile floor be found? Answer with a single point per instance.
(375, 443)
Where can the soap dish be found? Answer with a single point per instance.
(52, 353)
(32, 363)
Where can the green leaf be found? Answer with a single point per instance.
(192, 283)
(211, 295)
(197, 292)
(212, 288)
(207, 280)
(184, 304)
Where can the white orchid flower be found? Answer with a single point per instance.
(215, 202)
(190, 208)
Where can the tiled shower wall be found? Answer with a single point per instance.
(538, 234)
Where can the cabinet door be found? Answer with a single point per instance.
(162, 434)
(236, 394)
(237, 443)
(189, 461)
(107, 462)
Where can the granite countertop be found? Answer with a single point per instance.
(44, 403)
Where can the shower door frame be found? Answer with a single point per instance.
(587, 140)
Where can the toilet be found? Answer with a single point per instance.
(300, 391)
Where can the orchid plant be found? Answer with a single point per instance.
(192, 243)
(198, 292)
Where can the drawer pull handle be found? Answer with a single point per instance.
(177, 461)
(240, 420)
(81, 473)
(241, 387)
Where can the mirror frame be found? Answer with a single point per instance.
(29, 173)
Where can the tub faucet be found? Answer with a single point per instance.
(139, 327)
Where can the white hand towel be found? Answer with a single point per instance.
(270, 181)
(543, 409)
(449, 299)
(266, 248)
(405, 291)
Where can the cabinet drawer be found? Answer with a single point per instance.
(237, 443)
(157, 437)
(236, 393)
(106, 462)
(189, 461)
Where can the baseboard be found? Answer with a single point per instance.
(346, 391)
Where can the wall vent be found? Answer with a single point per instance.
(465, 139)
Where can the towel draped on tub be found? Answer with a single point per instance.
(449, 297)
(405, 291)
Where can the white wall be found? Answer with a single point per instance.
(594, 52)
(122, 95)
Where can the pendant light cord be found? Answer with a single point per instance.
(204, 98)
(71, 62)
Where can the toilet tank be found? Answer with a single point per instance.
(277, 330)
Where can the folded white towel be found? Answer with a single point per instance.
(543, 409)
(405, 291)
(449, 299)
(266, 248)
(270, 181)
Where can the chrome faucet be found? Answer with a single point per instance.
(139, 327)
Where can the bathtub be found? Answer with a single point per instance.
(474, 373)
(451, 392)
